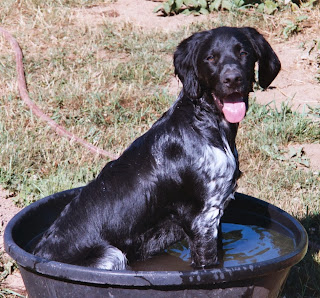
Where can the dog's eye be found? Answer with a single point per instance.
(211, 58)
(243, 54)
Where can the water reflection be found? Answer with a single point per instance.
(241, 245)
(251, 244)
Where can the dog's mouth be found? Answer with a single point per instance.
(233, 106)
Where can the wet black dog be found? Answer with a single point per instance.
(174, 181)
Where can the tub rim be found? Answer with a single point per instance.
(154, 278)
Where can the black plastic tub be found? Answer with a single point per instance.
(45, 278)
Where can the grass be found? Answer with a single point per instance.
(108, 83)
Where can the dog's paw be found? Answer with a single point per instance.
(206, 264)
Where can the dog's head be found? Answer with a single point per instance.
(221, 62)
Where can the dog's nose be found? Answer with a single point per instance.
(232, 79)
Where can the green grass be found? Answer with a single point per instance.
(283, 178)
(108, 84)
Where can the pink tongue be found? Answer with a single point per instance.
(234, 111)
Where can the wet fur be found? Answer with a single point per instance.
(174, 181)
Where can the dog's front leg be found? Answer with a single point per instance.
(158, 238)
(204, 238)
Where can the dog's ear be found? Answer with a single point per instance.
(269, 64)
(185, 62)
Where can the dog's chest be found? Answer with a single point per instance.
(217, 162)
(218, 167)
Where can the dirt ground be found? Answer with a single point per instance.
(7, 211)
(296, 80)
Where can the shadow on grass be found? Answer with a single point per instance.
(303, 280)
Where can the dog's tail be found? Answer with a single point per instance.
(109, 258)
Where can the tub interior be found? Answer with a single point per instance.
(251, 233)
(241, 245)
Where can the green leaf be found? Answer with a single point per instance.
(238, 3)
(194, 12)
(202, 3)
(304, 162)
(215, 5)
(187, 2)
(292, 152)
(179, 4)
(260, 8)
(226, 4)
(211, 7)
(187, 12)
(203, 11)
(170, 2)
(270, 7)
(158, 8)
(194, 3)
(290, 28)
(166, 8)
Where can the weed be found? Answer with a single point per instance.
(314, 111)
(300, 282)
(318, 61)
(6, 293)
(197, 7)
(281, 125)
(293, 27)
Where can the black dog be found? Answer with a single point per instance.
(174, 181)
